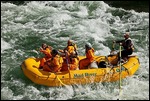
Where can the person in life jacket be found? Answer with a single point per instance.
(84, 63)
(67, 54)
(70, 62)
(55, 63)
(128, 47)
(71, 48)
(47, 52)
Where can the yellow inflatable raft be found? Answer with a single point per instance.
(107, 71)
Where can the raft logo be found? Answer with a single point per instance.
(84, 75)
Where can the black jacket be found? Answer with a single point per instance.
(127, 43)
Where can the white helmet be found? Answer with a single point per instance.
(88, 45)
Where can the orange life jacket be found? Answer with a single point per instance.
(90, 54)
(55, 63)
(72, 64)
(47, 52)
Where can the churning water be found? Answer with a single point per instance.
(25, 27)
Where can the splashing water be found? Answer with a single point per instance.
(25, 27)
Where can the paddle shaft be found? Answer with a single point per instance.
(113, 46)
(67, 60)
(120, 66)
(120, 70)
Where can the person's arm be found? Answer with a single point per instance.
(47, 51)
(91, 55)
(119, 41)
(75, 48)
(60, 50)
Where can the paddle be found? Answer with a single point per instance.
(113, 46)
(120, 89)
(66, 54)
(111, 52)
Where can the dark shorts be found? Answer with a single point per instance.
(125, 53)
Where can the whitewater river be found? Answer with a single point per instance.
(25, 27)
